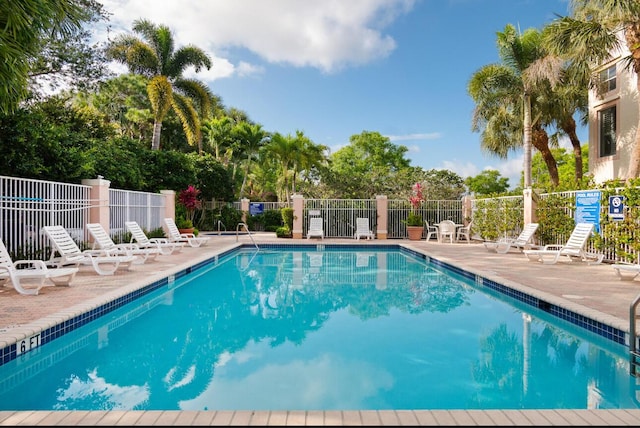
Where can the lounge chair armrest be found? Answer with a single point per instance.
(159, 240)
(128, 247)
(34, 264)
(101, 253)
(552, 247)
(533, 247)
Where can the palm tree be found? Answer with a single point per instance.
(250, 137)
(218, 132)
(591, 33)
(155, 57)
(503, 92)
(567, 97)
(285, 149)
(309, 156)
(25, 25)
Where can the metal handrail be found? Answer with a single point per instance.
(633, 316)
(249, 233)
(221, 223)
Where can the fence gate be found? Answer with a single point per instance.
(339, 215)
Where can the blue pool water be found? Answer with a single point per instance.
(322, 330)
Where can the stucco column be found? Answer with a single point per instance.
(169, 203)
(530, 205)
(467, 206)
(298, 215)
(381, 209)
(99, 194)
(244, 207)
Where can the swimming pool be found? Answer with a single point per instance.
(334, 329)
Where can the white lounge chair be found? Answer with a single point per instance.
(174, 235)
(102, 241)
(143, 241)
(362, 229)
(66, 252)
(626, 271)
(316, 228)
(574, 249)
(36, 270)
(522, 242)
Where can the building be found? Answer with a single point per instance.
(613, 118)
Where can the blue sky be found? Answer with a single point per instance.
(335, 68)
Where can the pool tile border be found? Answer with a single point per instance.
(9, 353)
(599, 328)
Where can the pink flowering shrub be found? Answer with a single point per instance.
(188, 198)
(415, 199)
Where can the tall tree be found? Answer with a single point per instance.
(250, 137)
(25, 26)
(285, 149)
(368, 166)
(72, 60)
(488, 182)
(124, 102)
(590, 34)
(559, 102)
(506, 88)
(155, 57)
(308, 158)
(219, 135)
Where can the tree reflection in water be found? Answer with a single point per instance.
(203, 345)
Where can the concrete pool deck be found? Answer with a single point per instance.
(591, 290)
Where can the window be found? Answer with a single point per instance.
(607, 119)
(608, 78)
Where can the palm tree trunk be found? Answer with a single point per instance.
(155, 141)
(244, 179)
(527, 141)
(569, 127)
(541, 142)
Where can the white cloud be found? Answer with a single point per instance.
(511, 169)
(412, 137)
(328, 35)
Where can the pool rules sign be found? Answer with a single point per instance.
(616, 207)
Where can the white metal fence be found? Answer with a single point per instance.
(340, 215)
(432, 211)
(147, 209)
(26, 205)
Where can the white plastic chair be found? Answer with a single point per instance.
(362, 229)
(464, 232)
(316, 228)
(36, 270)
(66, 252)
(522, 242)
(174, 235)
(574, 249)
(142, 240)
(102, 241)
(431, 231)
(447, 229)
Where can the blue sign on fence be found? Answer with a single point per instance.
(616, 207)
(256, 208)
(588, 208)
